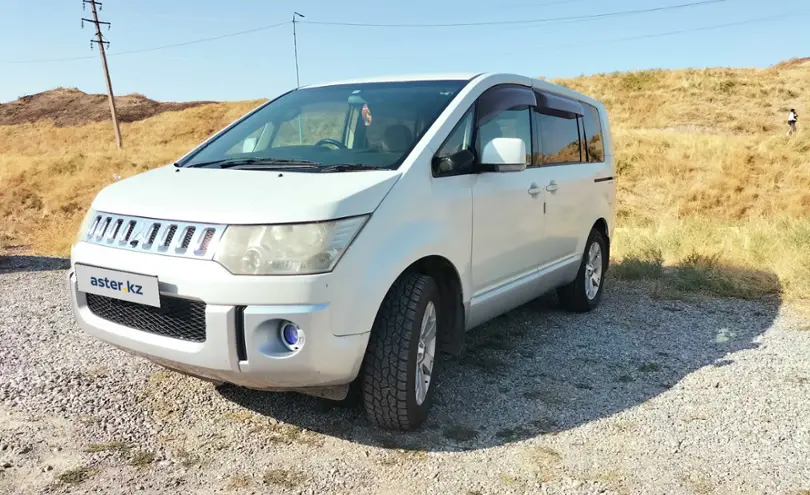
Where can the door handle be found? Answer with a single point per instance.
(551, 187)
(534, 190)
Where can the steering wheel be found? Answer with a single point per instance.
(335, 142)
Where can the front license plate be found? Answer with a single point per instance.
(142, 289)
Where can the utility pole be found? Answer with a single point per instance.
(295, 46)
(297, 80)
(100, 42)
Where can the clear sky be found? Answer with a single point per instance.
(755, 33)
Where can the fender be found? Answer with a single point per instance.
(603, 212)
(380, 268)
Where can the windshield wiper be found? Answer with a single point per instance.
(283, 163)
(260, 162)
(349, 167)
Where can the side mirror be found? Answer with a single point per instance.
(457, 162)
(503, 155)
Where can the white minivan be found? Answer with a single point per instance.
(340, 237)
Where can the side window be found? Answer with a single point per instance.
(460, 139)
(508, 123)
(559, 139)
(593, 134)
(583, 153)
(537, 141)
(255, 141)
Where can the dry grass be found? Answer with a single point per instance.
(142, 458)
(284, 478)
(239, 482)
(712, 196)
(49, 175)
(714, 101)
(121, 447)
(747, 258)
(78, 475)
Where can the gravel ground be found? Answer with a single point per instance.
(644, 395)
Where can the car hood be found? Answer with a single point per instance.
(226, 196)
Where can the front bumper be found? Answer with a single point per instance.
(242, 344)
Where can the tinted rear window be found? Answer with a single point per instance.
(560, 139)
(593, 134)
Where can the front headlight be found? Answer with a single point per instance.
(86, 222)
(293, 249)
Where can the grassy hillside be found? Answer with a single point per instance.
(712, 193)
(49, 175)
(708, 181)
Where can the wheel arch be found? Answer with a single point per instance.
(444, 273)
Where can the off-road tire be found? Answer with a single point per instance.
(389, 368)
(573, 296)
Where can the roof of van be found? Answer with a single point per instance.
(459, 76)
(464, 76)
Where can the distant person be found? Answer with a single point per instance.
(792, 118)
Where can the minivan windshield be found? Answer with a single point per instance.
(344, 127)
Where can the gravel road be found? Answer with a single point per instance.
(645, 395)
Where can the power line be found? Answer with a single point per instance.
(100, 42)
(331, 23)
(528, 21)
(152, 49)
(202, 40)
(684, 31)
(547, 20)
(46, 60)
(629, 38)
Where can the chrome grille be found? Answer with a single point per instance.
(187, 236)
(206, 240)
(168, 234)
(145, 235)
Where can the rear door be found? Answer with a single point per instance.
(567, 180)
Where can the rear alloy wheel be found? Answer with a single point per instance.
(399, 372)
(585, 292)
(593, 271)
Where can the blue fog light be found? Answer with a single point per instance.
(292, 336)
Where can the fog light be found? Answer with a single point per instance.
(292, 336)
